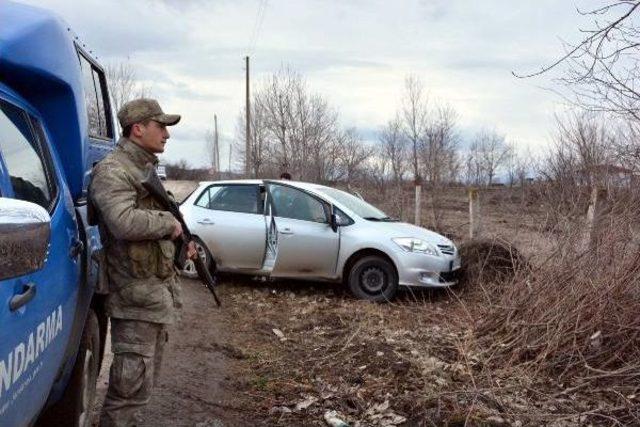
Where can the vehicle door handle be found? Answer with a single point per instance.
(76, 248)
(286, 231)
(206, 221)
(17, 301)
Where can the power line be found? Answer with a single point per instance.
(257, 26)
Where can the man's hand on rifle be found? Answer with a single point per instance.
(192, 252)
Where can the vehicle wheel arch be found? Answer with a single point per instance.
(75, 406)
(214, 263)
(361, 253)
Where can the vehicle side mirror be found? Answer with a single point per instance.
(333, 222)
(25, 230)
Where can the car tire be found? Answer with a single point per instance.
(373, 278)
(76, 406)
(189, 270)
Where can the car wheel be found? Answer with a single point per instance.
(189, 271)
(373, 278)
(76, 406)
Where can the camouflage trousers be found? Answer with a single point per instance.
(137, 348)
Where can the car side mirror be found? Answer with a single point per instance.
(25, 230)
(333, 222)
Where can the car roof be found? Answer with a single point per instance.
(299, 184)
(307, 186)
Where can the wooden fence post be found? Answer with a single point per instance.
(418, 208)
(475, 218)
(597, 206)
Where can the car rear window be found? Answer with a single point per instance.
(234, 198)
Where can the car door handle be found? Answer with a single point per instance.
(286, 231)
(17, 301)
(206, 221)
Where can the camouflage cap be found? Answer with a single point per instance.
(142, 109)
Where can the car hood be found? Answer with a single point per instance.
(403, 229)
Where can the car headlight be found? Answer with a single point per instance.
(410, 244)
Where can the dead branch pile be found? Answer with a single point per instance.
(487, 261)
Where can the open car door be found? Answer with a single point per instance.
(300, 240)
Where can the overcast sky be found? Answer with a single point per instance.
(356, 53)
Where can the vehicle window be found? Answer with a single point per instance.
(24, 155)
(292, 203)
(234, 198)
(98, 113)
(357, 205)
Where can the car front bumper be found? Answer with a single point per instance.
(427, 271)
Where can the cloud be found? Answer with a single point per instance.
(356, 54)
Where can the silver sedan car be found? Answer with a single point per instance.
(309, 231)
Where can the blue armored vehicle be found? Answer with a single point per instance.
(55, 123)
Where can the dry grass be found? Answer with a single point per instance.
(574, 319)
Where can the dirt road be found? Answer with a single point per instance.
(195, 388)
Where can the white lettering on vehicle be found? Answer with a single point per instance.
(25, 353)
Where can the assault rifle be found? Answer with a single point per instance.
(154, 186)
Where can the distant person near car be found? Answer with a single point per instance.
(137, 235)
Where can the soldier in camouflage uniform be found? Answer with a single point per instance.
(138, 249)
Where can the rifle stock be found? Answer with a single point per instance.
(154, 186)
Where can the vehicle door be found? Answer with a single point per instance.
(306, 246)
(229, 219)
(36, 304)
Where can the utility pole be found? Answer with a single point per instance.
(216, 147)
(247, 150)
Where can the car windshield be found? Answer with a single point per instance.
(356, 205)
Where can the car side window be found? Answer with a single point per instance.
(292, 203)
(98, 112)
(233, 198)
(25, 157)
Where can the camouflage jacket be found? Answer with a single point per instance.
(135, 233)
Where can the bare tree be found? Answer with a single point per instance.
(514, 165)
(582, 146)
(439, 157)
(276, 97)
(603, 69)
(293, 130)
(472, 169)
(259, 163)
(123, 84)
(394, 148)
(354, 155)
(625, 146)
(414, 116)
(488, 153)
(439, 151)
(377, 168)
